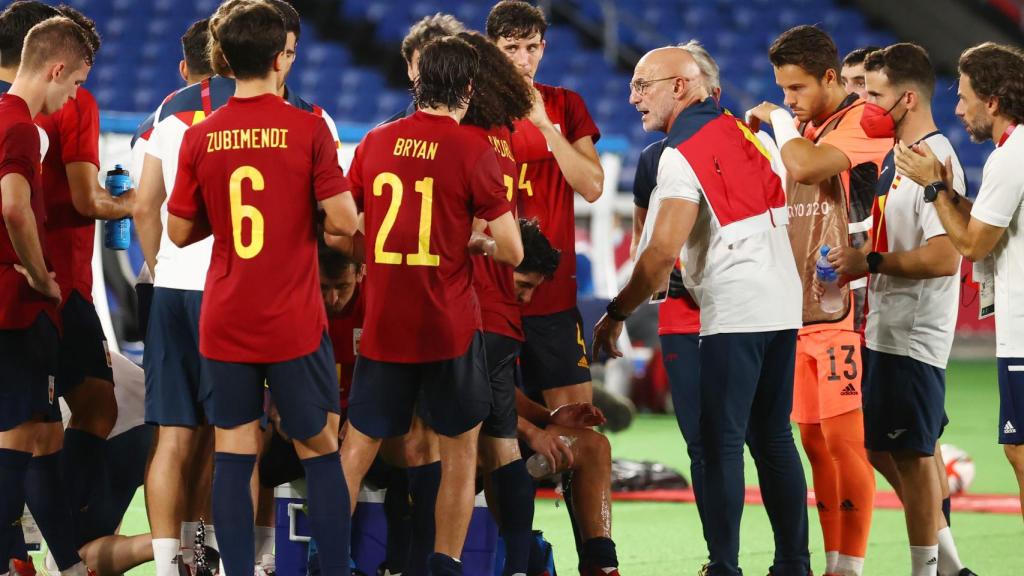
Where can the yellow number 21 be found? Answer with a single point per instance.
(241, 212)
(422, 257)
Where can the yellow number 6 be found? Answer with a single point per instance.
(241, 212)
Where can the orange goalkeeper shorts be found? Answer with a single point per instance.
(827, 378)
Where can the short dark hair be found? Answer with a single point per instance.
(904, 63)
(292, 22)
(195, 46)
(857, 56)
(427, 29)
(808, 47)
(333, 263)
(448, 66)
(85, 23)
(15, 22)
(251, 38)
(538, 254)
(515, 19)
(500, 93)
(996, 70)
(57, 37)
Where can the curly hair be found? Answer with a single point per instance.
(85, 23)
(808, 47)
(996, 71)
(538, 254)
(500, 93)
(448, 66)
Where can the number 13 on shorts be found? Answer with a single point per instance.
(827, 379)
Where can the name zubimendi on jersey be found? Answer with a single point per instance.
(247, 139)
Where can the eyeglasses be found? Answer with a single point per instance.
(640, 86)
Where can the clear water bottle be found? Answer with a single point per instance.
(538, 466)
(117, 233)
(832, 299)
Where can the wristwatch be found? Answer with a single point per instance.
(613, 311)
(931, 191)
(874, 261)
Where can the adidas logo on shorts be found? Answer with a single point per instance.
(1008, 428)
(850, 390)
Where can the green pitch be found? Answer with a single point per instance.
(656, 538)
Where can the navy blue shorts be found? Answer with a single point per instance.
(304, 390)
(1011, 400)
(555, 352)
(904, 403)
(178, 391)
(83, 346)
(502, 353)
(28, 368)
(144, 302)
(454, 395)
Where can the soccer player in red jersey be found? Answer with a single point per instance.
(262, 316)
(501, 96)
(57, 60)
(416, 253)
(74, 201)
(555, 154)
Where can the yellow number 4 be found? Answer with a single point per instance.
(422, 257)
(241, 212)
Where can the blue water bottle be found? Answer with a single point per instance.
(117, 233)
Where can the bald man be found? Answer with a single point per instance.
(719, 208)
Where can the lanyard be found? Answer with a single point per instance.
(1006, 134)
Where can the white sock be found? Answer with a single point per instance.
(264, 541)
(949, 558)
(164, 551)
(831, 557)
(188, 542)
(76, 570)
(924, 560)
(849, 566)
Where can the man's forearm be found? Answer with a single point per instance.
(149, 229)
(954, 218)
(649, 276)
(103, 206)
(92, 200)
(584, 174)
(533, 412)
(24, 235)
(919, 264)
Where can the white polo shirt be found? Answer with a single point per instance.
(999, 204)
(907, 317)
(750, 285)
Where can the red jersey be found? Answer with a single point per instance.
(345, 330)
(74, 133)
(544, 193)
(255, 170)
(420, 181)
(679, 316)
(493, 281)
(20, 154)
